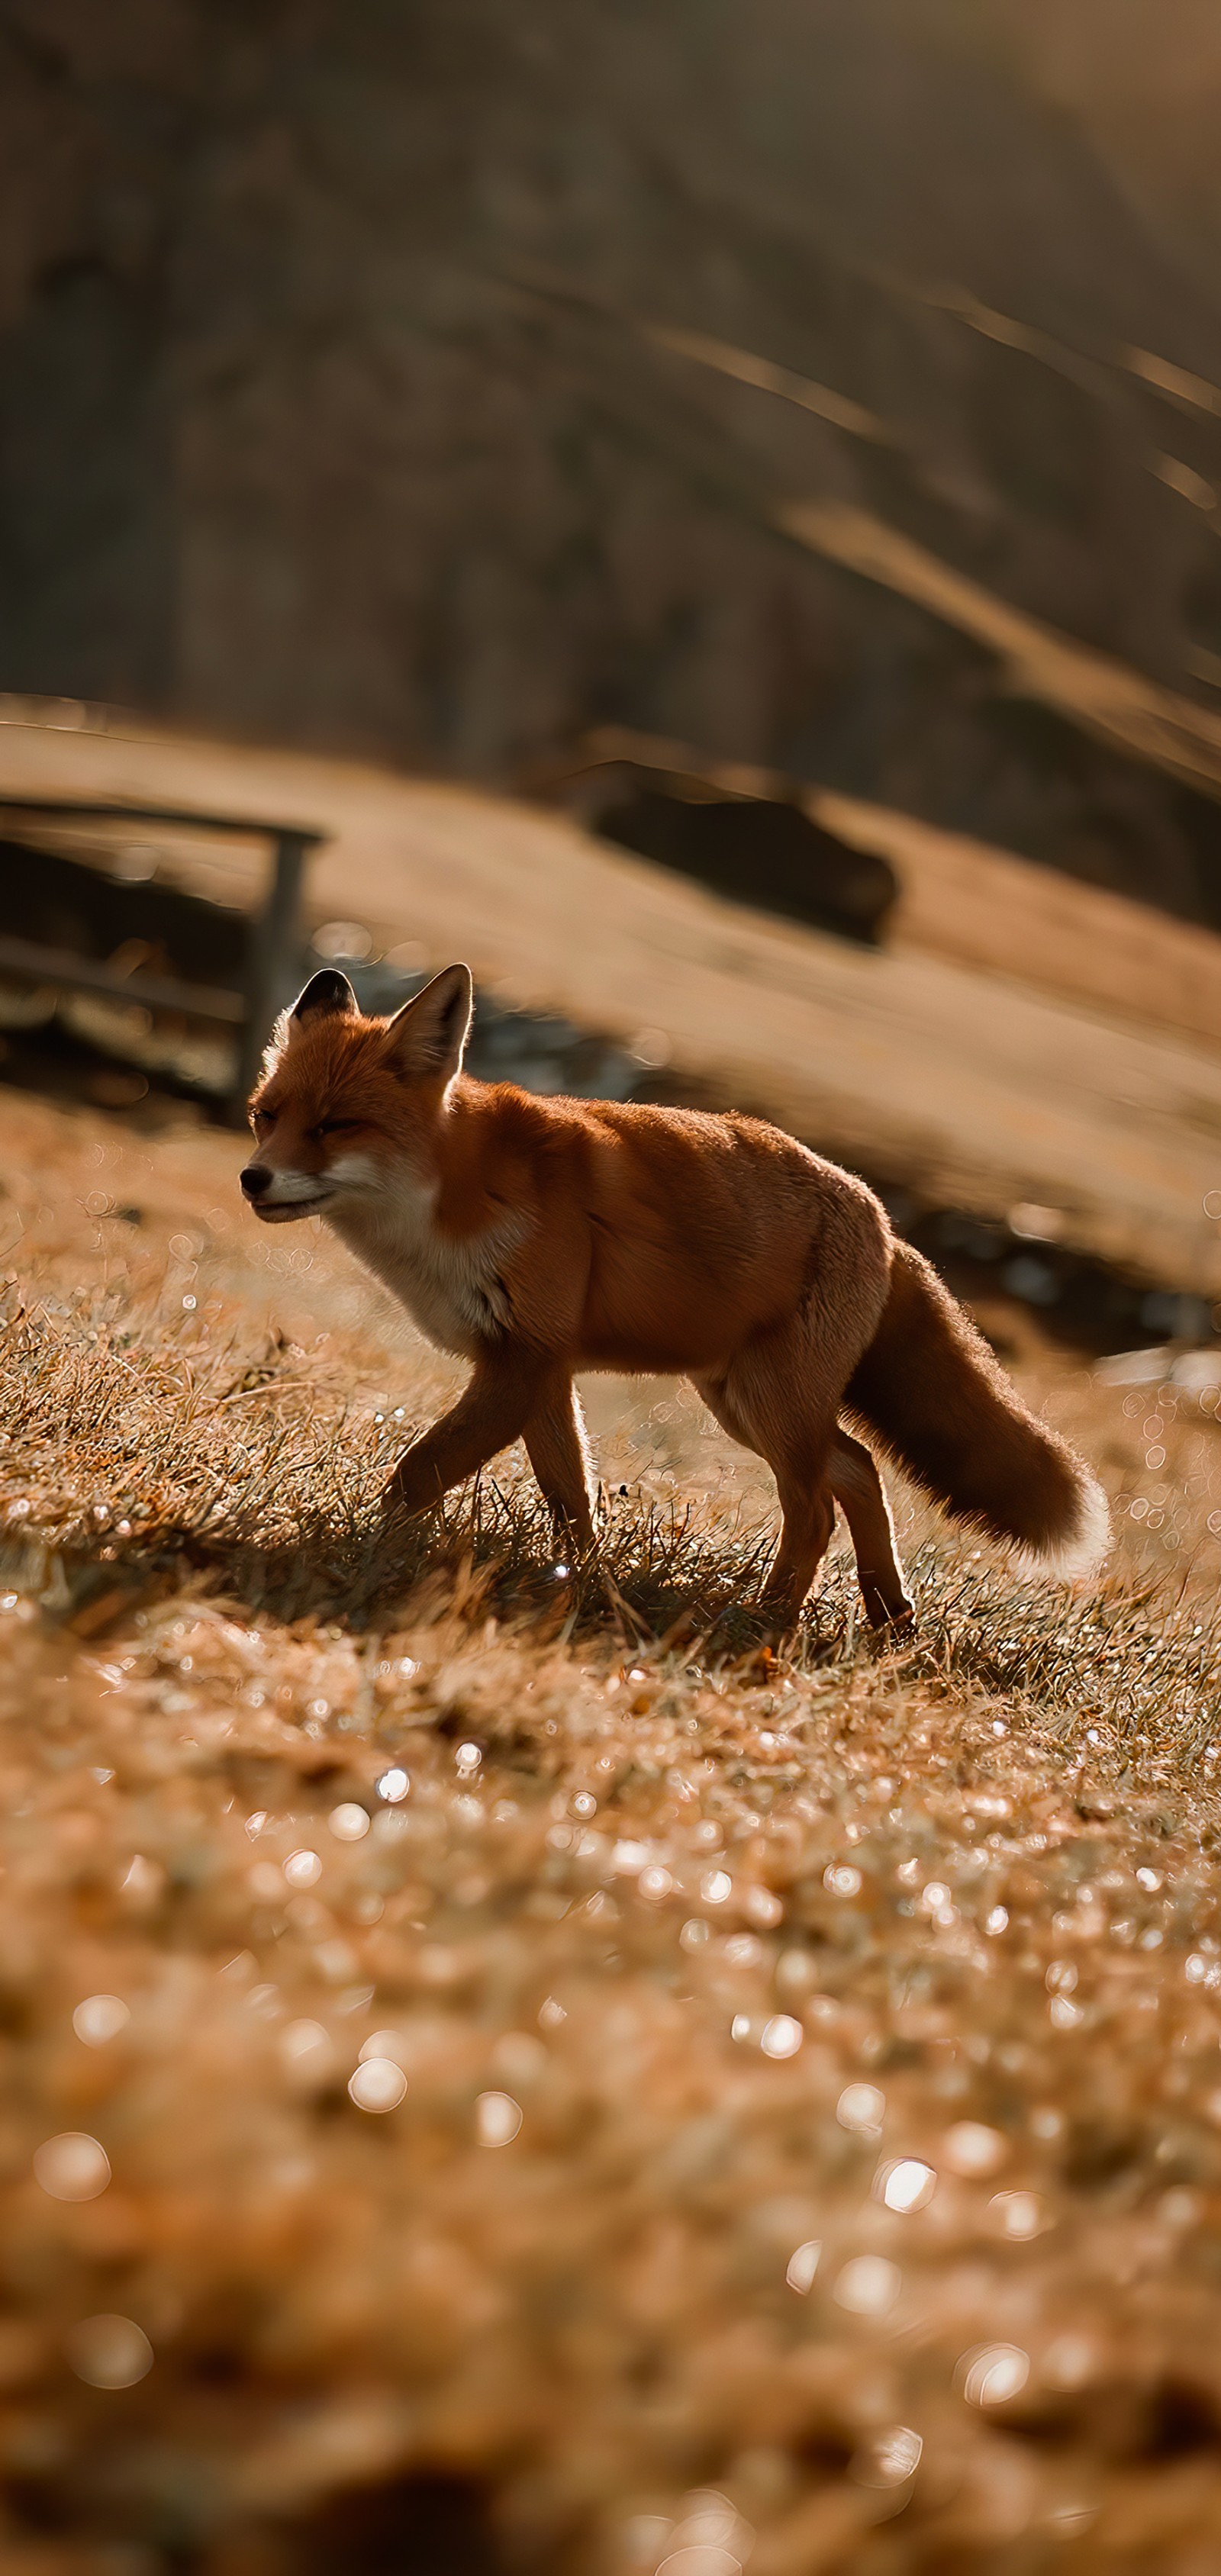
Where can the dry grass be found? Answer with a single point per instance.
(971, 1887)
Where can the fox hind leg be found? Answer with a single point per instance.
(859, 1491)
(764, 1400)
(805, 1534)
(776, 1402)
(558, 1451)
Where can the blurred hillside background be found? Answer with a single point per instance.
(337, 404)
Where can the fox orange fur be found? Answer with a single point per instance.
(537, 1237)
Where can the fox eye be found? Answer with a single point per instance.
(261, 1120)
(335, 1127)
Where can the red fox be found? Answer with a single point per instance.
(536, 1237)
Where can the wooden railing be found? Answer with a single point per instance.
(274, 948)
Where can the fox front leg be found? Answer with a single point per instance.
(558, 1451)
(504, 1391)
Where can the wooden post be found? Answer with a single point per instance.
(274, 961)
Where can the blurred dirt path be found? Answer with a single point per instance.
(966, 1085)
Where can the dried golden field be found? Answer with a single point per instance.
(502, 2072)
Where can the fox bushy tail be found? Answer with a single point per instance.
(931, 1391)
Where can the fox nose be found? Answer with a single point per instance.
(256, 1181)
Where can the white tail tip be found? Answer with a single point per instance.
(1081, 1550)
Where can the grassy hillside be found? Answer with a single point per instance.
(581, 2091)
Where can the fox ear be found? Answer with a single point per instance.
(326, 994)
(428, 1036)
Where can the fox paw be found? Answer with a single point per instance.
(891, 1625)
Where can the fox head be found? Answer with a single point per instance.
(343, 1100)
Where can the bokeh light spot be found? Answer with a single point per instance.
(498, 2119)
(994, 2373)
(861, 2107)
(906, 2185)
(803, 2264)
(377, 2084)
(970, 2148)
(867, 2286)
(109, 2352)
(100, 2018)
(349, 1823)
(303, 1869)
(72, 2166)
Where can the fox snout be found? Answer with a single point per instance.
(278, 1197)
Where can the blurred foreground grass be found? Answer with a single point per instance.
(501, 2073)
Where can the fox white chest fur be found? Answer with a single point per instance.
(449, 1284)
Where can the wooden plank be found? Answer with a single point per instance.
(184, 817)
(156, 992)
